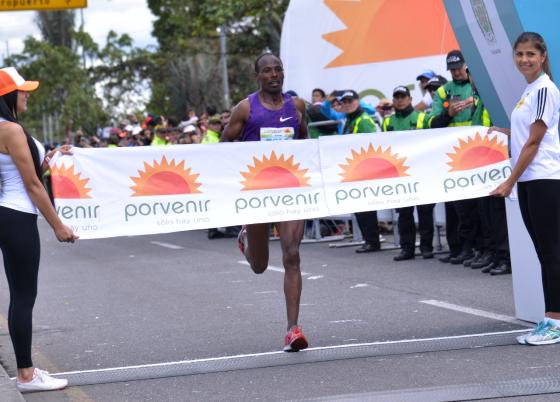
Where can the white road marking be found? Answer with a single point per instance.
(266, 292)
(359, 285)
(350, 345)
(474, 311)
(167, 245)
(344, 321)
(312, 278)
(273, 268)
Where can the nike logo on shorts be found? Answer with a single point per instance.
(283, 119)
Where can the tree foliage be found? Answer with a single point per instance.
(74, 71)
(187, 32)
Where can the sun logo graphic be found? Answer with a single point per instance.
(165, 178)
(274, 172)
(67, 184)
(372, 164)
(367, 19)
(477, 152)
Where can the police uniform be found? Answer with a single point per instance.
(403, 120)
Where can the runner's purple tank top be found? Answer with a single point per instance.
(261, 119)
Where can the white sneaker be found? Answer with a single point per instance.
(540, 328)
(41, 381)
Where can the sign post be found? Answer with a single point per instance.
(40, 5)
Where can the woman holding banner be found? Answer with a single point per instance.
(535, 157)
(22, 161)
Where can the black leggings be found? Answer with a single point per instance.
(19, 242)
(539, 201)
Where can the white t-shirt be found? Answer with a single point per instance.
(14, 195)
(540, 101)
(427, 99)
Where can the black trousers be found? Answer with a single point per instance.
(369, 226)
(407, 228)
(451, 228)
(492, 212)
(539, 202)
(19, 242)
(468, 222)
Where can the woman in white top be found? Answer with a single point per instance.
(22, 161)
(535, 157)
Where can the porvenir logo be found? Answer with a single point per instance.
(372, 164)
(271, 173)
(274, 172)
(477, 152)
(165, 178)
(68, 184)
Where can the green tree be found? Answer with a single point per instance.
(66, 99)
(187, 34)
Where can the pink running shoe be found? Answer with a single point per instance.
(295, 340)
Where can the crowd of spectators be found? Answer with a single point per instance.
(476, 229)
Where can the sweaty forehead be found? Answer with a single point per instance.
(268, 61)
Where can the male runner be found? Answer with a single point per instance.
(257, 118)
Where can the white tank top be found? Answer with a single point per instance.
(13, 194)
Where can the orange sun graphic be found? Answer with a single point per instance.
(274, 172)
(477, 152)
(165, 179)
(68, 184)
(372, 164)
(371, 21)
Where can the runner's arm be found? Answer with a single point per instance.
(239, 117)
(300, 106)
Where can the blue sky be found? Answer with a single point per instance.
(123, 16)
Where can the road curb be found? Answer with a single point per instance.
(8, 389)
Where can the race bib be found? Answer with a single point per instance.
(277, 133)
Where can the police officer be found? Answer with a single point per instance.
(407, 118)
(451, 108)
(359, 121)
(456, 104)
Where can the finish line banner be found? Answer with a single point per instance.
(146, 190)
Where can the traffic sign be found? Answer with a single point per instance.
(40, 5)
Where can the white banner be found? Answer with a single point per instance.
(146, 190)
(370, 46)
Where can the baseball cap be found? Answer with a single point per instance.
(402, 90)
(426, 74)
(454, 59)
(215, 119)
(136, 130)
(436, 82)
(10, 81)
(348, 93)
(291, 93)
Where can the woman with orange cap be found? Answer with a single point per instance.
(22, 195)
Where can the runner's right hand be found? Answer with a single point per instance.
(65, 234)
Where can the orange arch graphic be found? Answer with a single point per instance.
(384, 30)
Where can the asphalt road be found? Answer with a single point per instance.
(177, 317)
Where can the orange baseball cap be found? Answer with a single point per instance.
(10, 81)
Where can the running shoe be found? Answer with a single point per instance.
(548, 336)
(242, 239)
(41, 381)
(294, 340)
(541, 326)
